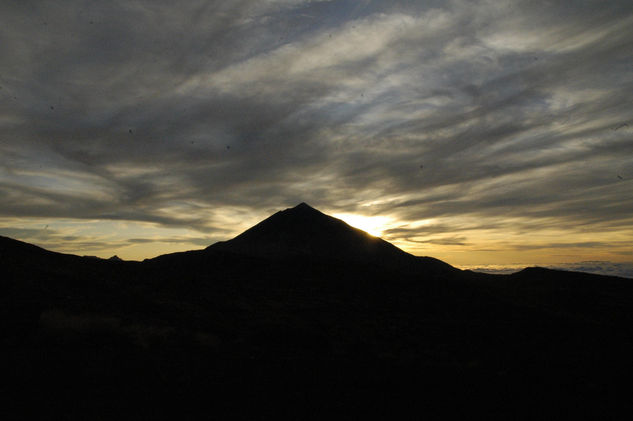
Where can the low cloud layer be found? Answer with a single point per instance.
(473, 126)
(624, 270)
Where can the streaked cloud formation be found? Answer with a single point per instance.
(482, 131)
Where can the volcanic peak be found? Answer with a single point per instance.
(305, 231)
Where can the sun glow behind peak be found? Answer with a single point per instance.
(373, 225)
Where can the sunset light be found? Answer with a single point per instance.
(472, 132)
(374, 225)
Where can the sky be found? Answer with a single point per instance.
(489, 134)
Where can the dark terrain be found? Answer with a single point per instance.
(303, 316)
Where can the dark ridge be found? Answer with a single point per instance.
(20, 251)
(534, 269)
(545, 273)
(15, 252)
(9, 245)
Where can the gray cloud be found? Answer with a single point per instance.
(450, 241)
(52, 238)
(504, 112)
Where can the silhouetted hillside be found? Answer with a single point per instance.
(305, 316)
(304, 231)
(13, 251)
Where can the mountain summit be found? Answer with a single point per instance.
(305, 231)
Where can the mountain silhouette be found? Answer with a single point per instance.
(303, 231)
(305, 315)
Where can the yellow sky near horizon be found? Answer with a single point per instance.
(465, 249)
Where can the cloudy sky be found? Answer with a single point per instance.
(479, 132)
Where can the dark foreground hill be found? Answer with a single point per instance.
(303, 316)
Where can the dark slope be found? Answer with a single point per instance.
(12, 248)
(43, 269)
(305, 316)
(17, 255)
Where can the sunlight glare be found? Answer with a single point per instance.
(373, 225)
